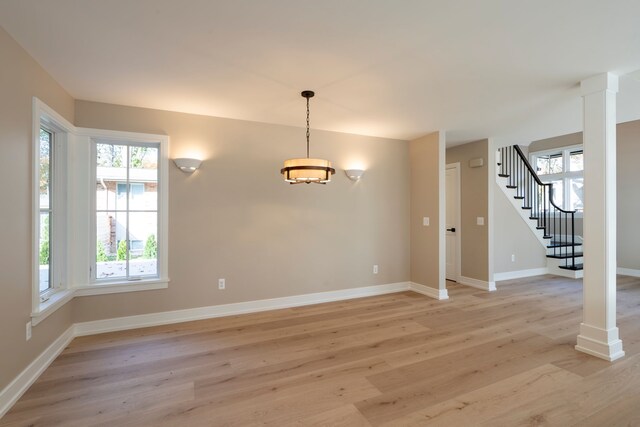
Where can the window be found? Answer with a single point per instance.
(126, 210)
(100, 205)
(50, 261)
(45, 209)
(564, 169)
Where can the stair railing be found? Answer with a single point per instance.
(537, 197)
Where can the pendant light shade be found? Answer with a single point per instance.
(307, 170)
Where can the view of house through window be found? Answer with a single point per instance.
(564, 169)
(126, 210)
(45, 206)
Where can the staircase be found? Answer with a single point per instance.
(553, 226)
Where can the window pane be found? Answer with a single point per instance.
(143, 196)
(45, 169)
(143, 231)
(143, 162)
(126, 193)
(549, 163)
(576, 161)
(111, 155)
(44, 253)
(576, 193)
(121, 196)
(111, 171)
(111, 246)
(555, 163)
(558, 198)
(542, 165)
(105, 195)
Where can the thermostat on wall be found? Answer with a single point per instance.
(476, 163)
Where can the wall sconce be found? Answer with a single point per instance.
(354, 174)
(187, 165)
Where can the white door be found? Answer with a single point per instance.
(452, 218)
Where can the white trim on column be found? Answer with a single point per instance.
(601, 343)
(598, 330)
(475, 283)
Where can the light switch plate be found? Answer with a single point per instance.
(480, 220)
(425, 221)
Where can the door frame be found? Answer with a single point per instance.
(456, 166)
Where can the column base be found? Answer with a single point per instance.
(602, 343)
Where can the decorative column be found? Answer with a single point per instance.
(598, 330)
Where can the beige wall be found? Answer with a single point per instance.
(21, 78)
(512, 236)
(236, 219)
(426, 174)
(474, 201)
(628, 195)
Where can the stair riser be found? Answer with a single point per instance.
(553, 262)
(564, 250)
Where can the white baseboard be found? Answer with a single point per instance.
(508, 275)
(475, 283)
(628, 272)
(187, 315)
(439, 294)
(11, 393)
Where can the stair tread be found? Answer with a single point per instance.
(526, 207)
(518, 197)
(503, 175)
(569, 267)
(511, 186)
(562, 245)
(565, 256)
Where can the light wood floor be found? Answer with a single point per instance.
(497, 359)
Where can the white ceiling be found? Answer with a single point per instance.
(505, 69)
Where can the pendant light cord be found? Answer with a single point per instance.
(307, 128)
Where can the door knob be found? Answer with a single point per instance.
(452, 229)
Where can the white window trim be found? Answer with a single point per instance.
(92, 287)
(43, 114)
(565, 166)
(77, 207)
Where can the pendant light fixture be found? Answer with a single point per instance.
(307, 170)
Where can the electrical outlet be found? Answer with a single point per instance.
(28, 331)
(513, 258)
(480, 220)
(221, 284)
(375, 269)
(425, 221)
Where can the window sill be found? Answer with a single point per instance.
(48, 307)
(120, 287)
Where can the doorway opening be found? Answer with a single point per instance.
(453, 231)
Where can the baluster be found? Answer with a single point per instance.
(511, 174)
(530, 193)
(573, 240)
(566, 233)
